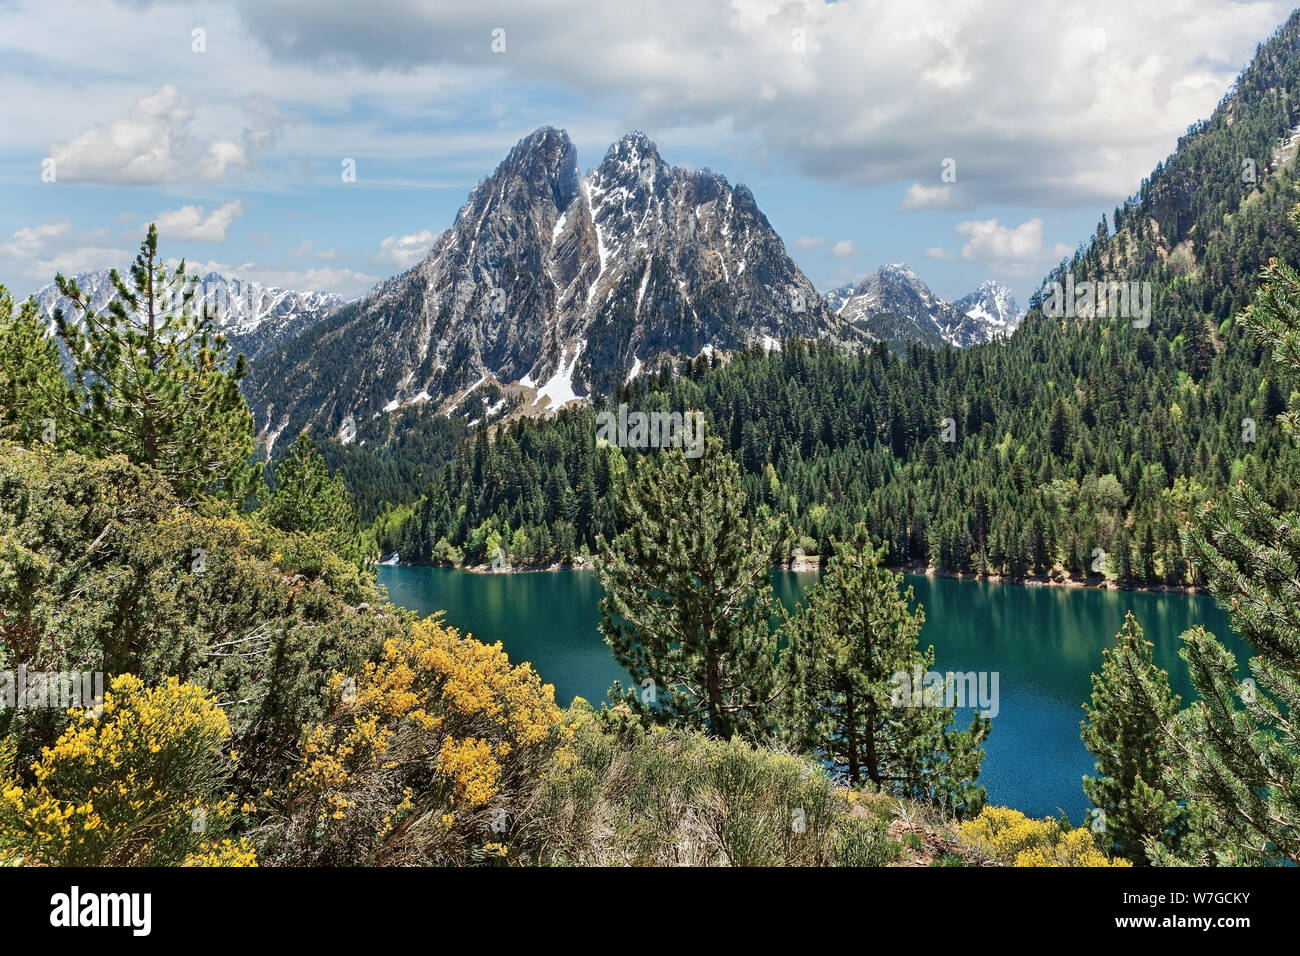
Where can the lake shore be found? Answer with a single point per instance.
(812, 565)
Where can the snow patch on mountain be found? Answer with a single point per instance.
(559, 388)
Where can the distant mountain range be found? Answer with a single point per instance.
(894, 304)
(253, 317)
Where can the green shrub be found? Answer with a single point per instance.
(672, 797)
(864, 841)
(102, 570)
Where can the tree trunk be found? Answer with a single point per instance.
(850, 718)
(873, 760)
(719, 724)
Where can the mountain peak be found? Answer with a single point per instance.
(896, 270)
(544, 139)
(548, 288)
(634, 158)
(894, 304)
(545, 162)
(254, 318)
(992, 304)
(637, 142)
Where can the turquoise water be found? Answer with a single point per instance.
(1043, 642)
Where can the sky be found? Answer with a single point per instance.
(971, 140)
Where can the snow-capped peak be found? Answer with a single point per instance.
(992, 303)
(894, 304)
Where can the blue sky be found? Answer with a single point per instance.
(839, 117)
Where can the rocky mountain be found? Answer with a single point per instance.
(550, 286)
(253, 317)
(894, 304)
(994, 305)
(836, 298)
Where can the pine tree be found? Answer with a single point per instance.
(1131, 705)
(857, 696)
(152, 380)
(307, 498)
(1240, 757)
(688, 599)
(33, 389)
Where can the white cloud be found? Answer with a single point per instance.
(267, 124)
(810, 242)
(38, 252)
(942, 196)
(938, 252)
(403, 252)
(151, 145)
(1016, 94)
(349, 283)
(195, 223)
(843, 249)
(1012, 251)
(308, 248)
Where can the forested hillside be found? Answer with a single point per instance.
(1075, 449)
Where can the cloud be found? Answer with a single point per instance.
(308, 248)
(348, 283)
(150, 146)
(810, 242)
(402, 252)
(943, 196)
(843, 249)
(38, 252)
(1013, 251)
(938, 252)
(1030, 105)
(195, 223)
(267, 124)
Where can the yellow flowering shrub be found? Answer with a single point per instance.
(423, 757)
(134, 782)
(223, 853)
(102, 569)
(1014, 839)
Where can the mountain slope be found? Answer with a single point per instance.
(550, 286)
